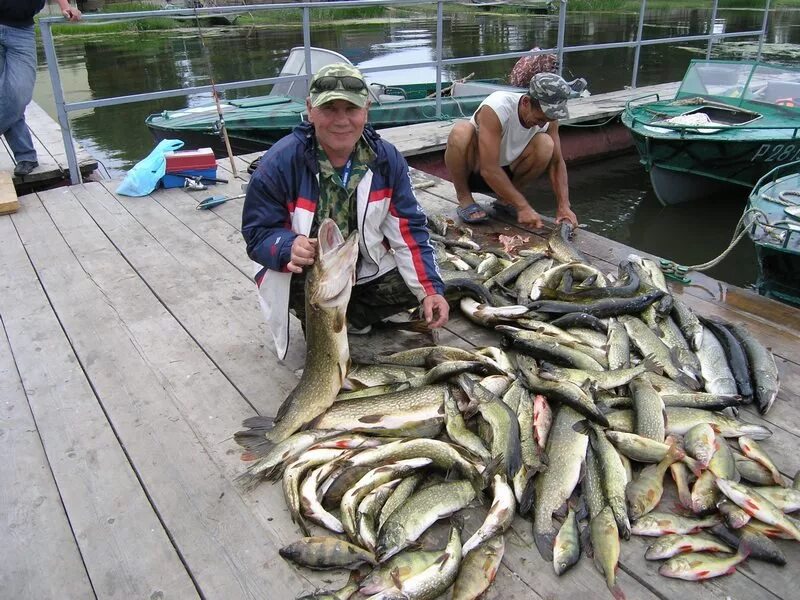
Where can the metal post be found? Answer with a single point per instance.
(711, 29)
(439, 29)
(307, 45)
(763, 35)
(638, 50)
(562, 25)
(58, 94)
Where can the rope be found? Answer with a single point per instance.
(673, 268)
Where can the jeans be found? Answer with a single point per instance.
(17, 77)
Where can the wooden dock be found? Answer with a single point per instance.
(53, 168)
(132, 347)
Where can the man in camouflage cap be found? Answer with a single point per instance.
(510, 141)
(336, 166)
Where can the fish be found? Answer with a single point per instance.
(689, 324)
(580, 319)
(698, 566)
(419, 512)
(619, 346)
(487, 315)
(606, 549)
(505, 439)
(567, 547)
(761, 547)
(765, 378)
(310, 505)
(700, 443)
(436, 579)
(680, 420)
(737, 357)
(293, 475)
(702, 400)
(343, 593)
(458, 431)
(512, 271)
(400, 567)
(604, 307)
(753, 471)
(759, 507)
(546, 347)
(644, 492)
(524, 283)
(368, 511)
(566, 449)
(388, 414)
(542, 420)
(714, 367)
(786, 499)
(361, 376)
(498, 519)
(322, 553)
(399, 495)
(753, 451)
(614, 476)
(735, 517)
(671, 545)
(479, 569)
(605, 379)
(660, 523)
(671, 335)
(680, 475)
(565, 392)
(328, 286)
(419, 357)
(560, 246)
(649, 411)
(531, 454)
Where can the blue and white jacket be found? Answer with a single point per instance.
(280, 205)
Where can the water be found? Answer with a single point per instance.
(612, 198)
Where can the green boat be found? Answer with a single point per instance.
(254, 124)
(773, 214)
(729, 124)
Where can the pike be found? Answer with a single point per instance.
(434, 581)
(689, 324)
(544, 346)
(328, 287)
(368, 511)
(737, 357)
(761, 547)
(602, 379)
(680, 420)
(421, 510)
(560, 246)
(566, 449)
(764, 370)
(400, 494)
(604, 307)
(458, 431)
(293, 475)
(714, 366)
(619, 346)
(311, 507)
(524, 283)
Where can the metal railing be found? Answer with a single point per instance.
(63, 108)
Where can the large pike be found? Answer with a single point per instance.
(566, 449)
(328, 287)
(764, 370)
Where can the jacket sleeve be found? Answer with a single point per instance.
(266, 223)
(405, 227)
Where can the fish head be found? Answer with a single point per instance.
(334, 271)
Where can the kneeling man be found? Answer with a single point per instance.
(511, 140)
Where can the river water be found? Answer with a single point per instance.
(613, 197)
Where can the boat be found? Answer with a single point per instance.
(204, 20)
(730, 123)
(254, 124)
(773, 214)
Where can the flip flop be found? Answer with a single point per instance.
(466, 213)
(505, 209)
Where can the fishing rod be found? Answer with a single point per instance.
(221, 120)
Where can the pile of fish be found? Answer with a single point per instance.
(600, 385)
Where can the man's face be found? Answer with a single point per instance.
(338, 124)
(531, 115)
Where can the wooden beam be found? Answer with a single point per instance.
(8, 195)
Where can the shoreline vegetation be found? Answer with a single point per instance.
(325, 16)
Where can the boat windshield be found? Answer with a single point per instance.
(296, 65)
(730, 81)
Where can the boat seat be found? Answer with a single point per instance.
(778, 90)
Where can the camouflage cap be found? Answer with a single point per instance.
(341, 92)
(552, 93)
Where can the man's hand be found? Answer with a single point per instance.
(528, 216)
(435, 310)
(566, 214)
(71, 13)
(303, 252)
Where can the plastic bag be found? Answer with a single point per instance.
(144, 176)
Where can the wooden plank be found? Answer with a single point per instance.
(39, 554)
(8, 195)
(125, 549)
(215, 303)
(170, 406)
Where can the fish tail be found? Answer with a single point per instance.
(528, 494)
(254, 437)
(544, 543)
(617, 592)
(652, 364)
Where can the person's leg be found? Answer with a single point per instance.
(17, 78)
(297, 298)
(461, 160)
(533, 161)
(380, 298)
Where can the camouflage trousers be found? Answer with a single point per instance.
(370, 302)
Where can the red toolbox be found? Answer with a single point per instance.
(190, 163)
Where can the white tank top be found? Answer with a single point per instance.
(515, 135)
